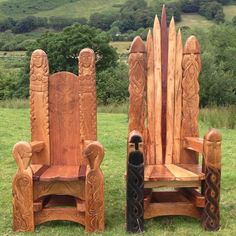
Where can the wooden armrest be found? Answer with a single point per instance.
(37, 146)
(94, 153)
(135, 141)
(22, 153)
(194, 144)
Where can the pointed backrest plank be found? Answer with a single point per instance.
(137, 84)
(150, 101)
(158, 90)
(39, 73)
(190, 106)
(178, 98)
(64, 113)
(170, 102)
(164, 65)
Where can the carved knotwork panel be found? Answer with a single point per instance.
(137, 77)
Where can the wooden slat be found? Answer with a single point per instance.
(158, 89)
(194, 168)
(173, 183)
(194, 144)
(150, 101)
(62, 173)
(80, 205)
(166, 208)
(157, 173)
(194, 196)
(182, 174)
(170, 93)
(178, 98)
(164, 64)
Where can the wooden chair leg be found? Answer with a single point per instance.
(212, 156)
(22, 190)
(135, 193)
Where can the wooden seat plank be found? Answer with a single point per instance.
(196, 169)
(182, 174)
(62, 173)
(157, 173)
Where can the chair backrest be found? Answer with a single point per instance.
(62, 109)
(164, 100)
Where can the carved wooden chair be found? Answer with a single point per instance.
(59, 175)
(163, 142)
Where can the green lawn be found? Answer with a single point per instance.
(112, 132)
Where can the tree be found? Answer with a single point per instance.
(62, 49)
(189, 6)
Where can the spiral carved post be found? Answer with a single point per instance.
(22, 189)
(94, 188)
(212, 156)
(135, 184)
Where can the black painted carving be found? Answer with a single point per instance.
(135, 189)
(211, 214)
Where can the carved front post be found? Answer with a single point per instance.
(22, 189)
(39, 73)
(137, 84)
(190, 105)
(212, 160)
(135, 185)
(87, 93)
(94, 189)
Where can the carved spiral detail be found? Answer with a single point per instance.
(211, 214)
(22, 203)
(135, 203)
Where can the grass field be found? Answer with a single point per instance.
(112, 132)
(230, 12)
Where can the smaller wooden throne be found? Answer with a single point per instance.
(164, 176)
(59, 175)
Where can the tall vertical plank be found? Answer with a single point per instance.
(137, 84)
(164, 64)
(190, 106)
(87, 97)
(158, 90)
(178, 98)
(150, 101)
(170, 93)
(39, 74)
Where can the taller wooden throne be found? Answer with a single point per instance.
(164, 176)
(59, 175)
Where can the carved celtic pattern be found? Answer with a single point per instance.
(95, 201)
(137, 78)
(211, 214)
(22, 203)
(190, 86)
(135, 202)
(87, 93)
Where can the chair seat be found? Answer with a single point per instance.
(173, 172)
(58, 173)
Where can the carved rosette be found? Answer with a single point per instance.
(94, 189)
(137, 85)
(87, 94)
(212, 158)
(190, 88)
(22, 190)
(39, 74)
